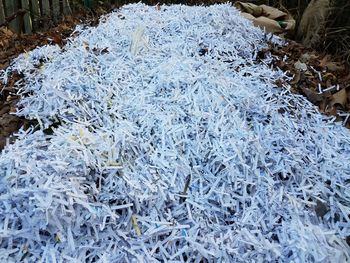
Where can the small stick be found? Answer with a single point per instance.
(187, 184)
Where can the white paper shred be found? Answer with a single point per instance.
(172, 145)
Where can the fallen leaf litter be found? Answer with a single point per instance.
(323, 79)
(173, 145)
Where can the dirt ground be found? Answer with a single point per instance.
(311, 71)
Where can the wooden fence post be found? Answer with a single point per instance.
(45, 13)
(11, 9)
(26, 19)
(46, 8)
(66, 7)
(2, 12)
(35, 13)
(55, 9)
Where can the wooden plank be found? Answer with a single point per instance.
(26, 18)
(11, 8)
(35, 14)
(2, 12)
(66, 7)
(45, 4)
(35, 8)
(55, 9)
(19, 18)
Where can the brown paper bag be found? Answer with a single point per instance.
(249, 8)
(272, 19)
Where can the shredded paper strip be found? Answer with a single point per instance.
(161, 139)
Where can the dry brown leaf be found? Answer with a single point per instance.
(323, 62)
(326, 63)
(340, 98)
(334, 67)
(313, 96)
(6, 32)
(56, 38)
(296, 78)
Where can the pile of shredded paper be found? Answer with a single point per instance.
(161, 139)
